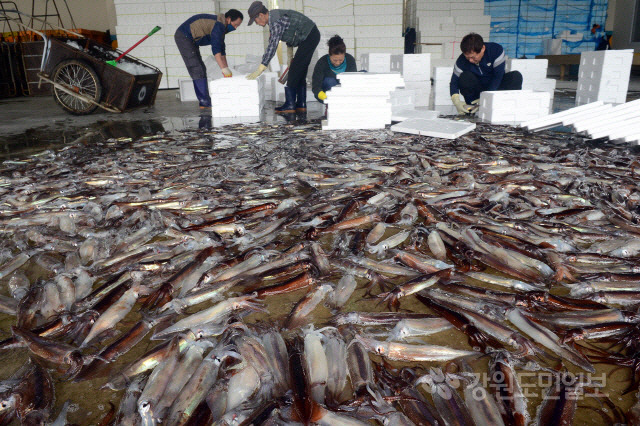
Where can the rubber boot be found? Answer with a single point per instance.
(301, 98)
(289, 102)
(202, 92)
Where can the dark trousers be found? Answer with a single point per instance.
(190, 55)
(470, 85)
(328, 83)
(302, 59)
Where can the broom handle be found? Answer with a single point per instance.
(152, 32)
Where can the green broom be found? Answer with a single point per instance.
(152, 32)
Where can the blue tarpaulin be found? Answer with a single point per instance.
(521, 26)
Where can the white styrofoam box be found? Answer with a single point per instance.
(128, 35)
(544, 85)
(378, 9)
(467, 5)
(436, 127)
(376, 62)
(442, 73)
(446, 109)
(416, 67)
(604, 75)
(396, 63)
(401, 114)
(237, 96)
(529, 68)
(363, 21)
(380, 43)
(334, 8)
(334, 21)
(187, 91)
(436, 51)
(472, 19)
(463, 30)
(513, 106)
(402, 98)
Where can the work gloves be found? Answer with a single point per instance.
(257, 72)
(226, 72)
(322, 96)
(289, 55)
(462, 107)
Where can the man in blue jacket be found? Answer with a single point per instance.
(205, 30)
(479, 68)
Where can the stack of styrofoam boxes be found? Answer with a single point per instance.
(361, 101)
(416, 71)
(237, 96)
(134, 20)
(378, 27)
(441, 96)
(441, 24)
(467, 21)
(534, 74)
(604, 76)
(513, 106)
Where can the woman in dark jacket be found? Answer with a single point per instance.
(329, 66)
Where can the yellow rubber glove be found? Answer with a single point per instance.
(475, 106)
(256, 73)
(226, 72)
(322, 96)
(459, 104)
(289, 55)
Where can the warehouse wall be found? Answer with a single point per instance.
(96, 15)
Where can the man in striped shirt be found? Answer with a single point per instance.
(296, 30)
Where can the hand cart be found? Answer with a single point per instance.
(83, 81)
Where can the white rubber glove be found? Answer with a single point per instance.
(289, 55)
(459, 104)
(256, 73)
(226, 72)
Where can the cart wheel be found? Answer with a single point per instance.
(79, 77)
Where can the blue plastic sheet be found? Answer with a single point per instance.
(521, 26)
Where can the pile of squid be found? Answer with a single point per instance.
(278, 274)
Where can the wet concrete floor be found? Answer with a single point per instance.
(32, 124)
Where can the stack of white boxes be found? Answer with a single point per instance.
(441, 24)
(237, 97)
(416, 71)
(378, 26)
(604, 76)
(513, 106)
(534, 74)
(361, 101)
(441, 97)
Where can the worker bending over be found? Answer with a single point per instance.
(203, 30)
(329, 66)
(479, 68)
(296, 30)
